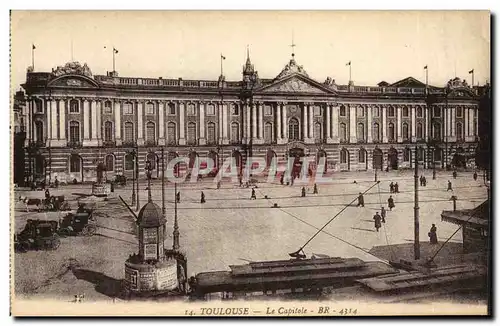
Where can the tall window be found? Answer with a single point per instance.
(74, 106)
(191, 110)
(210, 109)
(235, 110)
(406, 155)
(343, 111)
(235, 132)
(150, 108)
(171, 108)
(75, 163)
(376, 132)
(460, 131)
(420, 133)
(150, 132)
(405, 131)
(39, 106)
(420, 154)
(405, 111)
(108, 107)
(343, 156)
(360, 111)
(360, 132)
(437, 111)
(128, 108)
(391, 131)
(438, 154)
(211, 133)
(420, 112)
(362, 156)
(128, 132)
(317, 132)
(268, 110)
(343, 132)
(376, 111)
(293, 129)
(110, 162)
(74, 131)
(129, 162)
(171, 133)
(108, 131)
(191, 133)
(460, 112)
(391, 111)
(268, 132)
(39, 131)
(437, 131)
(317, 111)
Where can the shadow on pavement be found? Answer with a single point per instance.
(104, 284)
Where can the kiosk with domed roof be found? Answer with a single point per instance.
(155, 270)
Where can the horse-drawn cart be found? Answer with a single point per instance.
(80, 223)
(37, 235)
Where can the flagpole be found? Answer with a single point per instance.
(472, 77)
(113, 59)
(350, 79)
(426, 77)
(221, 71)
(33, 56)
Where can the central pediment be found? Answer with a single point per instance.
(295, 84)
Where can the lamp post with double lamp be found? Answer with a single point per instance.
(138, 204)
(149, 169)
(133, 154)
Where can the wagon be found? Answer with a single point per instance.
(37, 235)
(80, 223)
(54, 203)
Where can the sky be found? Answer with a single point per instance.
(381, 45)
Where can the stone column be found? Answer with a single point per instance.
(202, 140)
(93, 108)
(335, 123)
(219, 120)
(466, 123)
(384, 124)
(369, 130)
(86, 116)
(477, 127)
(29, 107)
(352, 124)
(261, 121)
(452, 127)
(244, 122)
(305, 123)
(328, 123)
(225, 123)
(413, 124)
(310, 127)
(62, 122)
(248, 121)
(427, 128)
(254, 122)
(140, 123)
(53, 122)
(161, 123)
(118, 123)
(99, 122)
(399, 125)
(182, 125)
(284, 123)
(278, 124)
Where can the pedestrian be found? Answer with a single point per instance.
(178, 197)
(241, 181)
(315, 191)
(390, 203)
(449, 186)
(303, 191)
(396, 188)
(475, 176)
(253, 194)
(47, 194)
(218, 184)
(391, 187)
(454, 174)
(202, 200)
(425, 182)
(282, 179)
(56, 183)
(433, 235)
(433, 174)
(112, 187)
(382, 213)
(377, 219)
(361, 200)
(291, 183)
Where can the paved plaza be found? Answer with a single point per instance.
(232, 229)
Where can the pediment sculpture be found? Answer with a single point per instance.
(72, 68)
(293, 86)
(457, 83)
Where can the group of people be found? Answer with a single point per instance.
(315, 190)
(394, 187)
(423, 181)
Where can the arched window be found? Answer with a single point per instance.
(360, 132)
(128, 108)
(420, 131)
(391, 111)
(129, 162)
(342, 111)
(74, 131)
(75, 163)
(235, 109)
(391, 131)
(293, 129)
(460, 131)
(405, 131)
(437, 130)
(406, 155)
(74, 106)
(150, 108)
(268, 132)
(376, 132)
(211, 133)
(128, 132)
(150, 132)
(460, 112)
(38, 106)
(317, 132)
(171, 133)
(376, 111)
(210, 109)
(420, 112)
(235, 132)
(360, 111)
(191, 109)
(108, 131)
(191, 133)
(343, 156)
(171, 108)
(343, 132)
(110, 162)
(39, 131)
(405, 111)
(108, 107)
(362, 156)
(437, 111)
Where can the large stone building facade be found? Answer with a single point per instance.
(76, 119)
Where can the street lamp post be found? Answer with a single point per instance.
(138, 204)
(149, 168)
(133, 177)
(163, 209)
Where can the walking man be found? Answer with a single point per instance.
(449, 186)
(202, 198)
(361, 200)
(303, 191)
(391, 186)
(454, 174)
(377, 219)
(282, 179)
(433, 235)
(382, 213)
(390, 203)
(178, 197)
(253, 194)
(396, 188)
(315, 191)
(475, 176)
